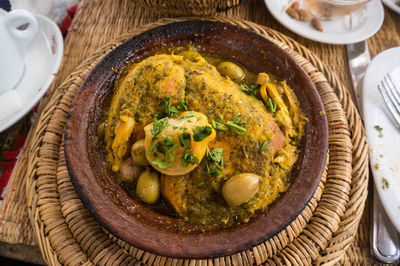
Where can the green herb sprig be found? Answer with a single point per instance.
(236, 125)
(265, 145)
(188, 158)
(201, 132)
(252, 90)
(215, 161)
(271, 105)
(158, 126)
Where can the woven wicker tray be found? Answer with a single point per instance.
(68, 234)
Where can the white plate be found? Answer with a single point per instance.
(41, 63)
(384, 151)
(365, 23)
(392, 5)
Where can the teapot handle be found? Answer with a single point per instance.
(21, 37)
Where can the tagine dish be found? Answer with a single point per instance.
(186, 145)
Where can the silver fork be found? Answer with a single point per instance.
(391, 95)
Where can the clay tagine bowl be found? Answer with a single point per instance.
(150, 230)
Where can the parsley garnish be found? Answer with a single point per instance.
(168, 141)
(201, 184)
(161, 163)
(170, 110)
(182, 106)
(218, 126)
(184, 139)
(212, 110)
(236, 125)
(158, 126)
(252, 90)
(271, 105)
(188, 158)
(379, 129)
(165, 147)
(265, 145)
(200, 133)
(216, 161)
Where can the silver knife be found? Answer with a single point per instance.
(385, 239)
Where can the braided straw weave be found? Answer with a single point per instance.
(189, 7)
(68, 234)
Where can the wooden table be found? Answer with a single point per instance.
(333, 56)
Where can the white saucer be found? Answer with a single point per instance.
(41, 64)
(384, 151)
(392, 5)
(365, 23)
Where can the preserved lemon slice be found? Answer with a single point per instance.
(175, 146)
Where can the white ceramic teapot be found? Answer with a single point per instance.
(17, 30)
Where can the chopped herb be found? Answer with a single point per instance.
(158, 126)
(168, 141)
(188, 158)
(216, 161)
(166, 104)
(174, 127)
(212, 110)
(201, 184)
(170, 156)
(54, 74)
(168, 109)
(189, 121)
(385, 183)
(265, 145)
(198, 118)
(182, 106)
(379, 129)
(238, 129)
(215, 156)
(184, 139)
(158, 115)
(376, 166)
(221, 116)
(362, 50)
(201, 133)
(236, 125)
(173, 147)
(237, 120)
(218, 126)
(161, 163)
(158, 147)
(271, 105)
(252, 90)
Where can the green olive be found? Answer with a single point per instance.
(129, 171)
(138, 153)
(240, 188)
(231, 70)
(148, 187)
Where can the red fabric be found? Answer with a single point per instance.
(10, 158)
(67, 20)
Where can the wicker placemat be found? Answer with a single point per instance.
(321, 234)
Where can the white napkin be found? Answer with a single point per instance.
(10, 103)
